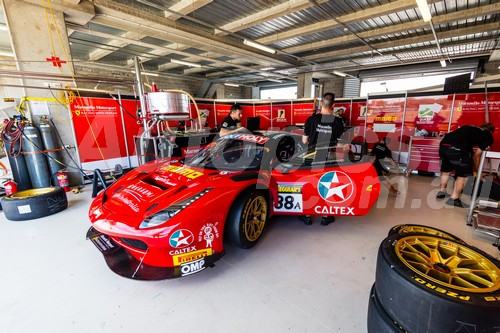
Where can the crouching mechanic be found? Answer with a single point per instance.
(232, 123)
(457, 154)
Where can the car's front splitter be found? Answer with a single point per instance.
(120, 261)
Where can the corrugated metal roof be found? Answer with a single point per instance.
(220, 12)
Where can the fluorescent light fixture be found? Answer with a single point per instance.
(275, 80)
(267, 68)
(339, 73)
(443, 62)
(6, 54)
(424, 10)
(147, 73)
(259, 46)
(187, 63)
(231, 85)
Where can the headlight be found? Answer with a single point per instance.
(166, 214)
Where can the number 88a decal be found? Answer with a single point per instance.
(289, 198)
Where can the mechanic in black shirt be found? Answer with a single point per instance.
(456, 153)
(381, 151)
(232, 123)
(322, 130)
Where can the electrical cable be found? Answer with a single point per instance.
(123, 108)
(66, 149)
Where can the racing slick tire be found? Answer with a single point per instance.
(247, 219)
(34, 203)
(418, 228)
(378, 319)
(431, 284)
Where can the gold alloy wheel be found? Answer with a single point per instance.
(33, 192)
(425, 230)
(255, 219)
(450, 264)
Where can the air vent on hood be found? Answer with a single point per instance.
(153, 182)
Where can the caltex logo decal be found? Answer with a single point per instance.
(181, 238)
(335, 187)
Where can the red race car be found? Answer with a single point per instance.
(168, 218)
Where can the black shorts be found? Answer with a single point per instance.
(455, 160)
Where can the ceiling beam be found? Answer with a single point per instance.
(362, 15)
(185, 7)
(288, 7)
(141, 21)
(101, 53)
(407, 41)
(420, 24)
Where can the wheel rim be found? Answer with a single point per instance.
(33, 192)
(425, 230)
(255, 219)
(451, 264)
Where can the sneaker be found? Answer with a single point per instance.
(456, 203)
(306, 219)
(326, 220)
(441, 195)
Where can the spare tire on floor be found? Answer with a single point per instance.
(35, 203)
(378, 319)
(418, 228)
(431, 284)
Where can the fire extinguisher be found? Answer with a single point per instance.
(10, 187)
(62, 180)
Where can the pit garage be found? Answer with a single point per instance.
(251, 166)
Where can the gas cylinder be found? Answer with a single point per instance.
(62, 180)
(35, 160)
(10, 187)
(52, 149)
(17, 161)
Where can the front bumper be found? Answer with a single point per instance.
(120, 261)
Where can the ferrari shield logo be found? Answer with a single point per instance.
(335, 187)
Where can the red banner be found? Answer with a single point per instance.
(429, 113)
(264, 112)
(99, 132)
(281, 115)
(301, 111)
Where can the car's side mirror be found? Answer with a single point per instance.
(286, 167)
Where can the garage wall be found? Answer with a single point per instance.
(334, 85)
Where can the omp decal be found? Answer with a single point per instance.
(181, 238)
(183, 258)
(440, 289)
(208, 233)
(334, 210)
(183, 171)
(192, 267)
(335, 187)
(289, 198)
(492, 298)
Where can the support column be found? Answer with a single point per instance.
(31, 41)
(221, 92)
(304, 82)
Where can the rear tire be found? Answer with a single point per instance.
(34, 204)
(247, 219)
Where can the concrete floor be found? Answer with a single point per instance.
(297, 279)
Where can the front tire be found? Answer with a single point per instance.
(247, 219)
